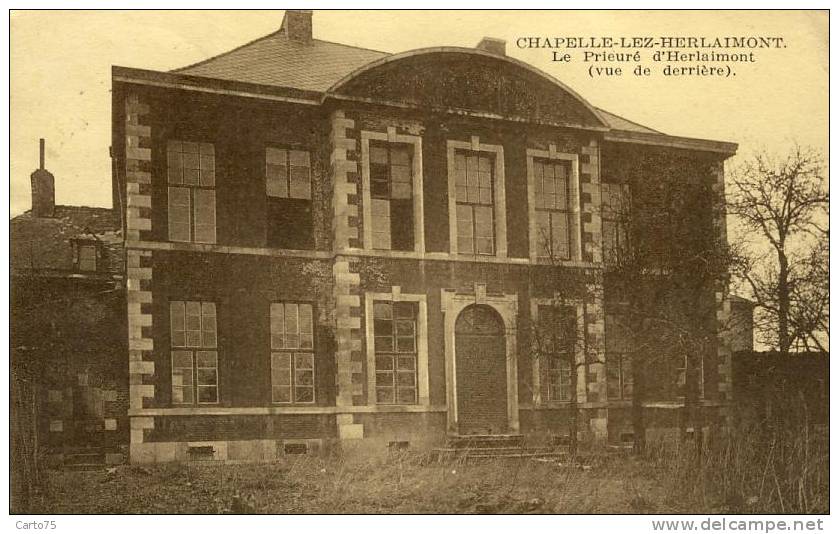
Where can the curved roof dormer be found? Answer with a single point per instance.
(469, 80)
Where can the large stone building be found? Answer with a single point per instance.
(329, 244)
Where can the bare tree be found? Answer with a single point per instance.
(782, 204)
(666, 262)
(557, 339)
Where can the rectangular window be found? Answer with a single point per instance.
(194, 341)
(556, 338)
(614, 204)
(551, 191)
(85, 255)
(681, 373)
(288, 173)
(618, 359)
(288, 185)
(292, 353)
(475, 202)
(192, 196)
(391, 196)
(395, 344)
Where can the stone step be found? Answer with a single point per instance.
(475, 441)
(498, 452)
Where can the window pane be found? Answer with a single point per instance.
(207, 377)
(304, 394)
(378, 154)
(305, 377)
(299, 158)
(383, 327)
(400, 174)
(205, 216)
(400, 155)
(207, 394)
(407, 363)
(206, 359)
(405, 310)
(384, 379)
(384, 344)
(304, 360)
(401, 190)
(543, 234)
(561, 247)
(281, 393)
(276, 156)
(208, 173)
(384, 363)
(405, 328)
(276, 180)
(405, 344)
(305, 311)
(405, 378)
(179, 214)
(407, 395)
(380, 210)
(182, 359)
(384, 395)
(483, 221)
(291, 319)
(208, 324)
(280, 368)
(382, 310)
(300, 183)
(177, 323)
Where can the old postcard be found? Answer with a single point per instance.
(420, 262)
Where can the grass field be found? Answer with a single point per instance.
(735, 477)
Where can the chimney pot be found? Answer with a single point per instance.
(43, 189)
(493, 46)
(297, 25)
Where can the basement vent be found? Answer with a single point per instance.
(295, 448)
(399, 445)
(627, 437)
(201, 453)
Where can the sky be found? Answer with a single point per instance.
(61, 61)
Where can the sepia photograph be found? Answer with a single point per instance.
(315, 261)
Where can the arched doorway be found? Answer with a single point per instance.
(481, 371)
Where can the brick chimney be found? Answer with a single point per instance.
(297, 25)
(43, 190)
(493, 46)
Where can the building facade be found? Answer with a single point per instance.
(68, 336)
(328, 244)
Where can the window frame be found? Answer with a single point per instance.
(388, 197)
(573, 195)
(292, 353)
(499, 195)
(395, 354)
(391, 137)
(193, 351)
(540, 371)
(564, 212)
(421, 337)
(615, 348)
(191, 190)
(78, 245)
(288, 180)
(608, 217)
(473, 206)
(680, 382)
